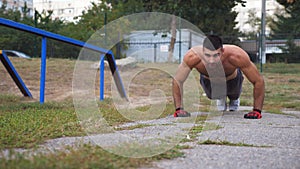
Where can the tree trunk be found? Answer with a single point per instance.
(173, 38)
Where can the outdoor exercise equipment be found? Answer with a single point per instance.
(14, 74)
(45, 34)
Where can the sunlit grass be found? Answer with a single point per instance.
(227, 143)
(85, 156)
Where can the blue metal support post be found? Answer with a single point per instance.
(102, 56)
(45, 34)
(43, 70)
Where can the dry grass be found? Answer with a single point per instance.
(282, 83)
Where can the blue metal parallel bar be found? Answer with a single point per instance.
(116, 75)
(102, 56)
(39, 32)
(43, 70)
(46, 34)
(14, 74)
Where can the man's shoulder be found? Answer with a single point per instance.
(192, 57)
(231, 46)
(236, 55)
(195, 51)
(233, 50)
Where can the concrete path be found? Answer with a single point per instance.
(270, 142)
(275, 139)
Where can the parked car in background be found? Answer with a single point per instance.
(14, 53)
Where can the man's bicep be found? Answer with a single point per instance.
(186, 66)
(251, 72)
(182, 72)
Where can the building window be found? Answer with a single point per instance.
(61, 11)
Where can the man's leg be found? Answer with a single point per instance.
(221, 99)
(221, 104)
(234, 90)
(205, 83)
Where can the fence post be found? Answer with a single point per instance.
(155, 46)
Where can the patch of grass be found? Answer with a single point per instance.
(293, 81)
(110, 113)
(227, 143)
(282, 87)
(199, 127)
(196, 129)
(113, 117)
(86, 156)
(275, 111)
(26, 124)
(29, 124)
(282, 68)
(211, 126)
(8, 99)
(201, 119)
(134, 127)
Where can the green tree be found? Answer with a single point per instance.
(214, 16)
(210, 16)
(93, 27)
(12, 39)
(26, 42)
(288, 24)
(92, 20)
(291, 51)
(287, 27)
(255, 23)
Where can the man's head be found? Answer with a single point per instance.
(212, 49)
(212, 42)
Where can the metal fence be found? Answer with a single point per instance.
(273, 48)
(145, 46)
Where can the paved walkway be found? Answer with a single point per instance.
(276, 140)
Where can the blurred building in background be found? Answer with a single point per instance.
(19, 5)
(64, 9)
(272, 6)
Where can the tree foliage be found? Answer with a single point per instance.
(287, 27)
(25, 42)
(214, 16)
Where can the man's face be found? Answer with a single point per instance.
(212, 57)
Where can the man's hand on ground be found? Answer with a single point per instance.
(181, 113)
(253, 115)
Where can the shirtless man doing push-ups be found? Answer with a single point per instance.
(214, 60)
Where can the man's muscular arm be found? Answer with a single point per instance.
(257, 80)
(242, 60)
(181, 75)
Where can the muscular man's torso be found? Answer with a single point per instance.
(229, 69)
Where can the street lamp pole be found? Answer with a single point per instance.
(263, 35)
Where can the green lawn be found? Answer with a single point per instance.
(282, 87)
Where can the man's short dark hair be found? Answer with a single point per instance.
(212, 42)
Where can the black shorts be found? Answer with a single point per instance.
(233, 87)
